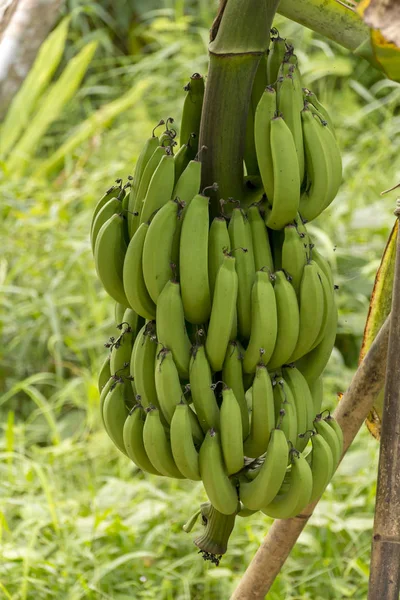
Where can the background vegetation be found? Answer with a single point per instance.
(76, 519)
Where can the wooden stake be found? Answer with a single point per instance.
(384, 582)
(351, 413)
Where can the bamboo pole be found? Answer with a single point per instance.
(384, 579)
(351, 413)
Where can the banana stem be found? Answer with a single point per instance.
(214, 541)
(384, 580)
(351, 413)
(239, 37)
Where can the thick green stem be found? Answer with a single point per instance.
(240, 36)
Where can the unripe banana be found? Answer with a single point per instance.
(115, 413)
(330, 436)
(119, 310)
(231, 432)
(291, 503)
(328, 303)
(133, 440)
(148, 173)
(232, 377)
(112, 192)
(193, 260)
(263, 323)
(150, 145)
(317, 194)
(288, 320)
(103, 396)
(288, 105)
(222, 313)
(285, 410)
(311, 311)
(337, 429)
(294, 256)
(240, 236)
(171, 328)
(336, 162)
(143, 364)
(134, 283)
(168, 385)
(263, 489)
(185, 190)
(317, 393)
(309, 96)
(321, 462)
(182, 158)
(105, 373)
(157, 445)
(218, 244)
(122, 347)
(323, 265)
(259, 83)
(203, 395)
(276, 55)
(303, 402)
(183, 449)
(191, 114)
(259, 235)
(109, 257)
(219, 488)
(160, 188)
(262, 414)
(286, 197)
(157, 249)
(112, 207)
(314, 362)
(264, 114)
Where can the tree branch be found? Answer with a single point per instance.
(351, 412)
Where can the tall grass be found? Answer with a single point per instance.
(76, 519)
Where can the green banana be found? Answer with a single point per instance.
(337, 429)
(240, 236)
(157, 445)
(311, 302)
(294, 256)
(232, 377)
(142, 366)
(193, 260)
(313, 363)
(185, 190)
(309, 96)
(109, 254)
(150, 145)
(168, 385)
(262, 414)
(320, 460)
(317, 393)
(285, 410)
(328, 302)
(219, 243)
(275, 58)
(331, 437)
(105, 373)
(184, 451)
(119, 310)
(288, 320)
(295, 499)
(133, 278)
(289, 106)
(103, 396)
(259, 235)
(219, 488)
(112, 207)
(319, 173)
(171, 328)
(160, 188)
(133, 440)
(145, 179)
(231, 432)
(112, 192)
(222, 313)
(303, 402)
(263, 323)
(122, 347)
(114, 414)
(323, 264)
(203, 395)
(259, 83)
(336, 162)
(157, 249)
(264, 114)
(191, 114)
(182, 158)
(263, 489)
(286, 195)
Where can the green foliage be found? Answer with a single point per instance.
(77, 520)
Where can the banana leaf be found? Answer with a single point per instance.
(379, 309)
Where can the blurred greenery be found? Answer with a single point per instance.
(76, 519)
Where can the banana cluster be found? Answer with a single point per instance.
(225, 324)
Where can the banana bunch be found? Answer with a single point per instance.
(227, 323)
